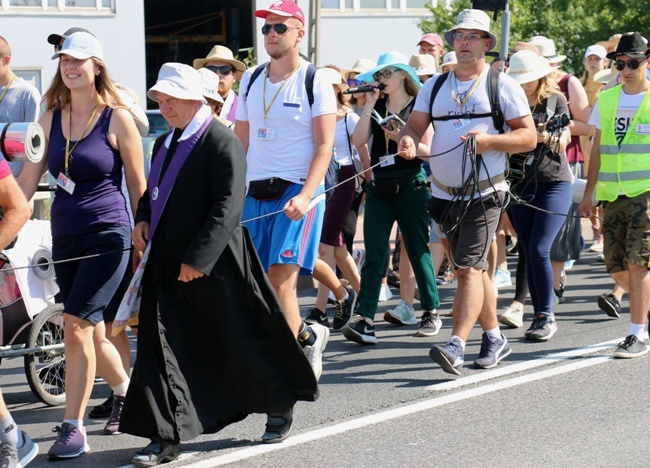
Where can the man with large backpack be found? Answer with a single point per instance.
(287, 128)
(470, 124)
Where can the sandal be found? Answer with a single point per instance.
(278, 426)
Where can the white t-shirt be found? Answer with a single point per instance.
(628, 104)
(282, 145)
(342, 143)
(448, 168)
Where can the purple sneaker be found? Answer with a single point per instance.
(70, 442)
(113, 425)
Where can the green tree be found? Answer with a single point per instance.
(573, 24)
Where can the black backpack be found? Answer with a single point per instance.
(493, 93)
(309, 81)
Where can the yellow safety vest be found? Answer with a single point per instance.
(626, 168)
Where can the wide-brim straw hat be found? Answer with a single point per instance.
(604, 76)
(360, 66)
(220, 53)
(546, 48)
(334, 77)
(395, 60)
(526, 66)
(423, 64)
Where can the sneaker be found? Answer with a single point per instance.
(344, 310)
(559, 293)
(385, 294)
(609, 304)
(70, 442)
(103, 410)
(449, 356)
(555, 300)
(513, 317)
(569, 264)
(631, 347)
(600, 258)
(502, 278)
(361, 332)
(113, 425)
(317, 316)
(562, 280)
(492, 351)
(403, 314)
(542, 328)
(314, 352)
(430, 324)
(596, 247)
(11, 457)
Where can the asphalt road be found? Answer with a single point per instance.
(564, 403)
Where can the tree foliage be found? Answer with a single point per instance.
(573, 24)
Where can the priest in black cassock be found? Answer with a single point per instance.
(213, 342)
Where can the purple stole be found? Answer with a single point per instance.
(159, 190)
(233, 109)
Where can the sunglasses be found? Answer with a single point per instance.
(354, 82)
(386, 74)
(632, 64)
(279, 28)
(221, 70)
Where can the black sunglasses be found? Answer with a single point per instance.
(279, 28)
(222, 70)
(632, 64)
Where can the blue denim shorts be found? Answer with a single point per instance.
(87, 286)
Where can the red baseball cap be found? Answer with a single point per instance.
(433, 39)
(283, 8)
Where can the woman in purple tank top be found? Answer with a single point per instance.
(92, 140)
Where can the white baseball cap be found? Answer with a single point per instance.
(82, 46)
(597, 50)
(179, 81)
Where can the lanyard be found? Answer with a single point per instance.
(386, 137)
(470, 92)
(68, 151)
(267, 109)
(7, 89)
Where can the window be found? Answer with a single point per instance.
(25, 3)
(373, 4)
(417, 3)
(60, 5)
(330, 4)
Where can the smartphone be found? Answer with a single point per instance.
(388, 122)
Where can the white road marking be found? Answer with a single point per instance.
(261, 449)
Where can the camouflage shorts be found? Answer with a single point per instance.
(626, 231)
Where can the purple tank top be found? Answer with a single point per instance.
(96, 168)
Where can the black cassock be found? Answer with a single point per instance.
(218, 348)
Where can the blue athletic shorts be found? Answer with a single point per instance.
(87, 286)
(281, 240)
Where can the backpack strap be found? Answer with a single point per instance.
(309, 81)
(434, 92)
(493, 91)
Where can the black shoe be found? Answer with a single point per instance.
(157, 453)
(104, 410)
(609, 304)
(392, 280)
(360, 332)
(317, 316)
(278, 426)
(344, 310)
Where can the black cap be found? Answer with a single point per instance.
(631, 44)
(55, 39)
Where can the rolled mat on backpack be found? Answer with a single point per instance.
(22, 141)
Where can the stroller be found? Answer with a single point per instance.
(31, 315)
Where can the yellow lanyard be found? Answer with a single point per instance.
(68, 151)
(386, 137)
(267, 109)
(470, 92)
(7, 88)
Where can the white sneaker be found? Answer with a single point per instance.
(385, 294)
(555, 301)
(403, 314)
(569, 264)
(596, 247)
(513, 317)
(502, 278)
(314, 352)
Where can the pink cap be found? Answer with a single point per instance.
(282, 8)
(433, 39)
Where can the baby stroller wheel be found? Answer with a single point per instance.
(45, 370)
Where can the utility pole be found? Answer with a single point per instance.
(314, 31)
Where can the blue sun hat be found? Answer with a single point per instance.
(395, 60)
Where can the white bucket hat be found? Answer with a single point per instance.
(424, 64)
(334, 77)
(210, 83)
(82, 46)
(179, 81)
(472, 19)
(526, 66)
(546, 49)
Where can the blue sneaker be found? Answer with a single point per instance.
(449, 356)
(542, 329)
(492, 351)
